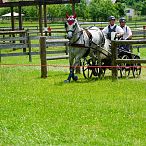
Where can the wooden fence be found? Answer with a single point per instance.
(28, 39)
(116, 60)
(15, 39)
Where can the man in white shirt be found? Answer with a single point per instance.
(127, 33)
(112, 27)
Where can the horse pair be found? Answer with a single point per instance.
(84, 42)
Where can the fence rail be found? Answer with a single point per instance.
(26, 40)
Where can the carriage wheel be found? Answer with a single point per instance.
(136, 68)
(125, 69)
(88, 69)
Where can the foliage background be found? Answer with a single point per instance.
(97, 10)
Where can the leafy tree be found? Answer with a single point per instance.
(82, 9)
(57, 10)
(30, 12)
(143, 11)
(120, 9)
(138, 5)
(101, 9)
(98, 10)
(4, 11)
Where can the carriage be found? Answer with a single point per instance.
(98, 69)
(92, 47)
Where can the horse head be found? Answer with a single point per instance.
(70, 25)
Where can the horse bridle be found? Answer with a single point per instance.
(73, 27)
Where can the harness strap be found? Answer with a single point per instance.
(89, 36)
(81, 32)
(112, 30)
(126, 29)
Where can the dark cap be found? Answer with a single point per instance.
(122, 19)
(111, 18)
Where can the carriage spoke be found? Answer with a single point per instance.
(136, 68)
(124, 69)
(87, 70)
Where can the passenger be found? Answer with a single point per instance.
(127, 33)
(112, 27)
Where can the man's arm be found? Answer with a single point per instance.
(120, 32)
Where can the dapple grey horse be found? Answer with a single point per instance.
(82, 42)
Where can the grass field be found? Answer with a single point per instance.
(35, 111)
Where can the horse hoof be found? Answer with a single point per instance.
(75, 78)
(66, 81)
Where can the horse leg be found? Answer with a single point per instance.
(93, 56)
(71, 74)
(75, 77)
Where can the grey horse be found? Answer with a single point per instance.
(82, 42)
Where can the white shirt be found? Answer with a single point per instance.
(118, 29)
(127, 32)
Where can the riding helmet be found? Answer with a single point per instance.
(122, 19)
(111, 18)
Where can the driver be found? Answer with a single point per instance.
(112, 27)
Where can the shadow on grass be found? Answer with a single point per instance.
(82, 80)
(60, 77)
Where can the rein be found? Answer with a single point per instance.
(81, 32)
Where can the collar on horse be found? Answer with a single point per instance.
(81, 32)
(83, 45)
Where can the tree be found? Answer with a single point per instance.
(101, 9)
(143, 11)
(82, 9)
(120, 9)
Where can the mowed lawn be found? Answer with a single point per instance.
(35, 111)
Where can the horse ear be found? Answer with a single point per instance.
(75, 16)
(67, 16)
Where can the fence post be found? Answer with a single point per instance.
(144, 31)
(43, 57)
(114, 57)
(0, 56)
(29, 45)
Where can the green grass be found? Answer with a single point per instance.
(35, 111)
